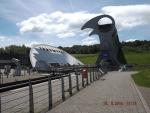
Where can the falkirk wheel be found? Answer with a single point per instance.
(110, 55)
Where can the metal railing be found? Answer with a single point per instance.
(41, 95)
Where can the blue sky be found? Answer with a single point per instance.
(58, 22)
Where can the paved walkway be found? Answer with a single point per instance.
(116, 94)
(24, 76)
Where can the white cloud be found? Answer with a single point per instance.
(131, 40)
(89, 41)
(2, 38)
(31, 44)
(10, 40)
(59, 23)
(65, 25)
(129, 16)
(66, 35)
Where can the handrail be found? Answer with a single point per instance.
(56, 73)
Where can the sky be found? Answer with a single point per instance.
(59, 22)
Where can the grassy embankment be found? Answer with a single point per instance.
(141, 59)
(142, 78)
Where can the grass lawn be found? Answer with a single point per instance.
(86, 58)
(141, 59)
(138, 58)
(132, 58)
(142, 78)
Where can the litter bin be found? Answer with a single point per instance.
(85, 73)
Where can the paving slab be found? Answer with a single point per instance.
(116, 93)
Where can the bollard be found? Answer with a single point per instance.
(24, 72)
(31, 102)
(62, 88)
(90, 76)
(99, 75)
(87, 79)
(0, 78)
(77, 82)
(93, 75)
(82, 81)
(50, 93)
(96, 75)
(0, 104)
(70, 84)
